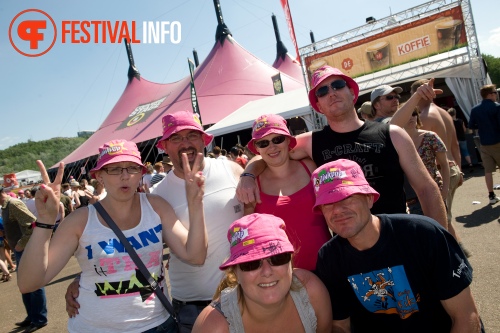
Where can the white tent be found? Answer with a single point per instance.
(28, 176)
(288, 105)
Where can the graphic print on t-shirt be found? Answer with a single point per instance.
(385, 291)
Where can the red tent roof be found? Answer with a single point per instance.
(290, 66)
(227, 79)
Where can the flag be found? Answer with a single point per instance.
(277, 84)
(194, 98)
(288, 16)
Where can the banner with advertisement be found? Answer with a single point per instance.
(397, 45)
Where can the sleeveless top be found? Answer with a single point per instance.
(371, 147)
(227, 305)
(221, 207)
(114, 296)
(306, 230)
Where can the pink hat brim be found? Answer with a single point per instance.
(207, 138)
(343, 192)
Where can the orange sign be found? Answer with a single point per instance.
(10, 180)
(397, 45)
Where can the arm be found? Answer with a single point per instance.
(247, 191)
(76, 198)
(44, 257)
(61, 211)
(423, 184)
(210, 320)
(72, 292)
(190, 245)
(319, 299)
(445, 173)
(463, 312)
(341, 326)
(426, 92)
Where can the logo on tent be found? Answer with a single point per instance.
(141, 113)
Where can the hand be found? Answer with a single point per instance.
(47, 197)
(19, 248)
(247, 191)
(72, 293)
(427, 91)
(194, 179)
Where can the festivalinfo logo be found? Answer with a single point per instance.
(33, 32)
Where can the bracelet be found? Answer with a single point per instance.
(246, 174)
(44, 225)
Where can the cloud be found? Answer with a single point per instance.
(9, 141)
(490, 44)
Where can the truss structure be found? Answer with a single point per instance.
(470, 54)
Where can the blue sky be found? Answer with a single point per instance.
(74, 86)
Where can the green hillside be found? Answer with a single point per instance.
(23, 156)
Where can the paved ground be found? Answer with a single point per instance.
(477, 224)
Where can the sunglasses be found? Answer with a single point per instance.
(276, 140)
(414, 114)
(391, 97)
(276, 260)
(335, 85)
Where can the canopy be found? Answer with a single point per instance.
(289, 104)
(227, 79)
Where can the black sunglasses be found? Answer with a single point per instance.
(276, 140)
(391, 97)
(276, 260)
(335, 85)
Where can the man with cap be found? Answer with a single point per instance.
(365, 111)
(183, 133)
(399, 272)
(17, 221)
(381, 149)
(385, 101)
(21, 195)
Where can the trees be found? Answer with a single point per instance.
(493, 64)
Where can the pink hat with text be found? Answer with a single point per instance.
(254, 237)
(179, 121)
(118, 151)
(338, 180)
(269, 124)
(323, 73)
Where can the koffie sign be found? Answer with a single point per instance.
(141, 113)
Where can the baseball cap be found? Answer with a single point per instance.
(256, 236)
(365, 108)
(20, 191)
(166, 160)
(117, 151)
(323, 73)
(179, 121)
(338, 180)
(269, 124)
(384, 90)
(74, 183)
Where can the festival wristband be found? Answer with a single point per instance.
(44, 225)
(246, 174)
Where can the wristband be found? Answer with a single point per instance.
(246, 174)
(44, 225)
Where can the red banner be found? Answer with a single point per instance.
(288, 16)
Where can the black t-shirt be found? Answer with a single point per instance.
(371, 147)
(459, 129)
(397, 285)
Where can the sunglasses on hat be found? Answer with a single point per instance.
(276, 260)
(335, 85)
(276, 140)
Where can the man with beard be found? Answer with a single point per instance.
(385, 102)
(190, 284)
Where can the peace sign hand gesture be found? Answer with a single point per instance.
(47, 197)
(195, 181)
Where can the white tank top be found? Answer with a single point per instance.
(192, 282)
(112, 294)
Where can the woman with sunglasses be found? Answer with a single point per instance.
(113, 295)
(286, 190)
(261, 292)
(432, 151)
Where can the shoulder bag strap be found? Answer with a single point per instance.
(137, 261)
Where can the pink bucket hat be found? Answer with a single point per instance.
(256, 236)
(269, 124)
(322, 74)
(118, 151)
(337, 180)
(182, 120)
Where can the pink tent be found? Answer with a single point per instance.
(284, 62)
(227, 79)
